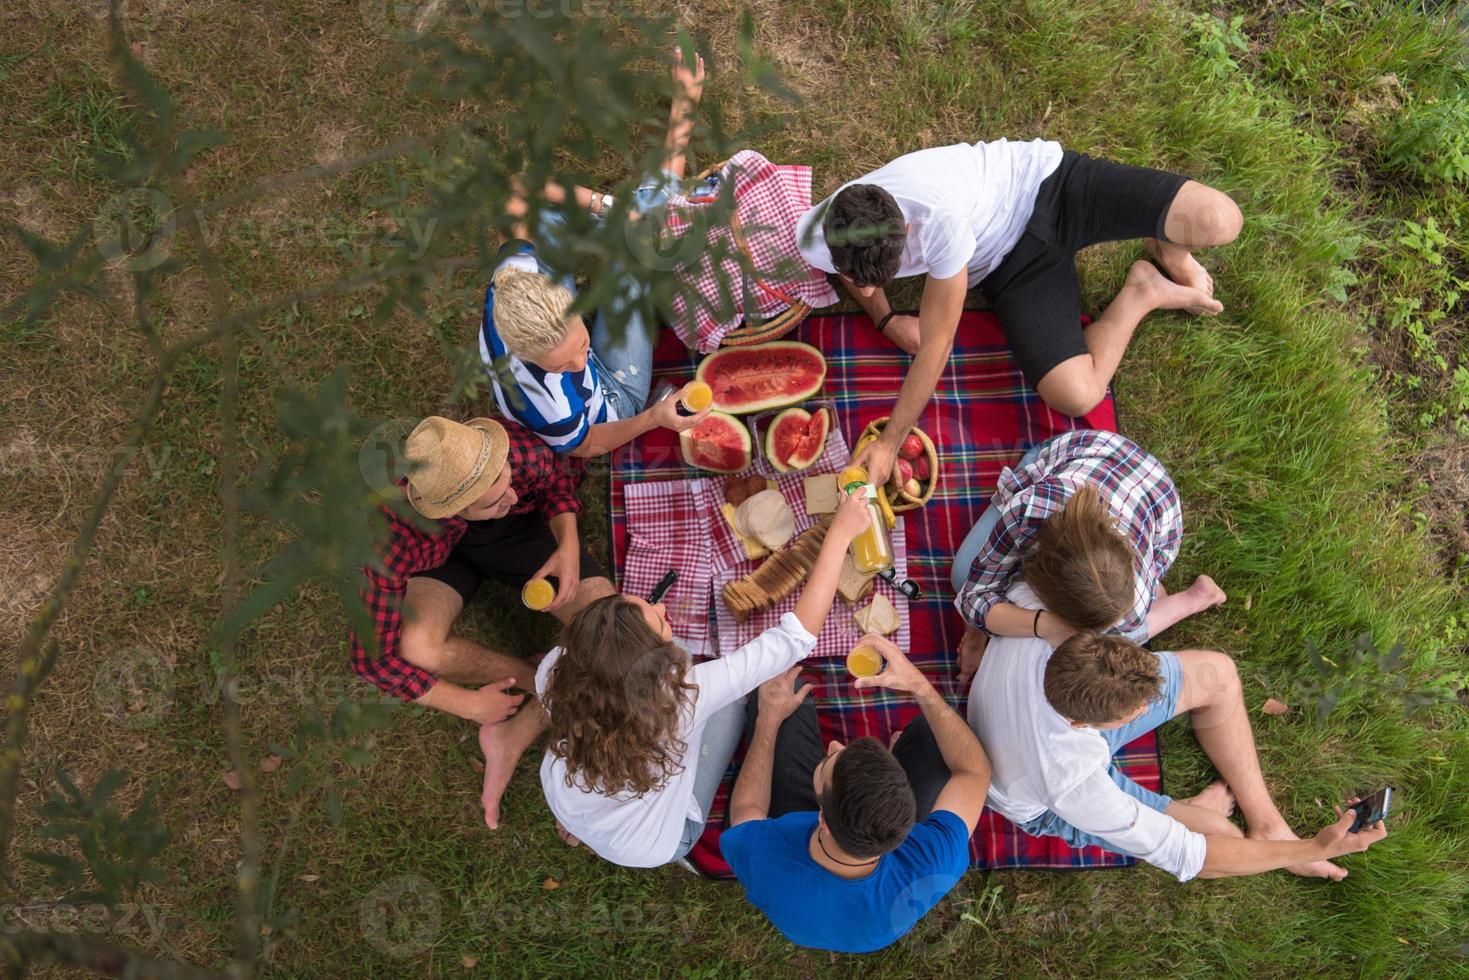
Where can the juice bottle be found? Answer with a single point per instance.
(872, 552)
(864, 661)
(538, 593)
(697, 396)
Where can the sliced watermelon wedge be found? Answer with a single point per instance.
(753, 379)
(720, 443)
(796, 439)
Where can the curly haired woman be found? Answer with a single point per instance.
(640, 738)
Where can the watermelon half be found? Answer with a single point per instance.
(773, 375)
(720, 443)
(796, 439)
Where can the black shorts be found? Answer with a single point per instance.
(508, 549)
(1035, 291)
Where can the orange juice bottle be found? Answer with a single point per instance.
(697, 396)
(538, 593)
(864, 661)
(872, 552)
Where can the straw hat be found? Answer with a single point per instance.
(453, 463)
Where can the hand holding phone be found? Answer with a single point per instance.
(1370, 809)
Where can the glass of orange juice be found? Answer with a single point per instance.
(697, 396)
(538, 593)
(864, 661)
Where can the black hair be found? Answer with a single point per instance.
(868, 804)
(865, 232)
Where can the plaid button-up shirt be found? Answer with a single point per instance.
(1138, 492)
(543, 479)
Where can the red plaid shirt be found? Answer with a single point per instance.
(543, 479)
(1137, 490)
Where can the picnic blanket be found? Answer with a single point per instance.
(982, 418)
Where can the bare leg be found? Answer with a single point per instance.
(588, 592)
(503, 744)
(1076, 385)
(1214, 700)
(430, 608)
(1208, 812)
(1170, 609)
(1200, 217)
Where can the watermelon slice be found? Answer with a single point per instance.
(720, 443)
(753, 379)
(796, 438)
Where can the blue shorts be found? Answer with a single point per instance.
(1162, 709)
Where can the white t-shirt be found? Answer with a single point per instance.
(644, 832)
(1041, 763)
(966, 205)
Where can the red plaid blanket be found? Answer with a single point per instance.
(982, 418)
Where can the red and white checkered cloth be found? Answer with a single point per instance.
(668, 525)
(768, 200)
(677, 525)
(840, 633)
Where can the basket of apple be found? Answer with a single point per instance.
(915, 474)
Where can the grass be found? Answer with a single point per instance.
(1282, 422)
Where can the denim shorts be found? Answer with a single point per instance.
(1162, 709)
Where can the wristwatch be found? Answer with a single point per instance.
(599, 204)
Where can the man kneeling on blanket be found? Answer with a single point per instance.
(1009, 217)
(1051, 721)
(846, 848)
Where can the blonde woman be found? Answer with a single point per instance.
(582, 389)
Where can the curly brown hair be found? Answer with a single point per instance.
(1082, 566)
(615, 697)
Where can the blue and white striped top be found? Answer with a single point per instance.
(557, 406)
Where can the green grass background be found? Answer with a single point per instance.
(1299, 483)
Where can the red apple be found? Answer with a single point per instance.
(912, 447)
(921, 469)
(902, 471)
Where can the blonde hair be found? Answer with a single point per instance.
(530, 312)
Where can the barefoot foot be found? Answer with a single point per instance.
(567, 837)
(1315, 869)
(500, 758)
(1216, 797)
(1165, 294)
(1207, 593)
(1179, 264)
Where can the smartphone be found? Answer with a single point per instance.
(1371, 809)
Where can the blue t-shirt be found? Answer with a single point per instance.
(813, 907)
(559, 407)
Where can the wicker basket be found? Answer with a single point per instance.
(758, 331)
(903, 503)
